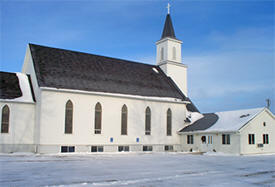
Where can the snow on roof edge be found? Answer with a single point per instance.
(232, 120)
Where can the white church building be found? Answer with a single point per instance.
(68, 101)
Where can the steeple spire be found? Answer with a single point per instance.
(168, 30)
(169, 55)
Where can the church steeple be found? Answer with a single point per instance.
(169, 55)
(168, 30)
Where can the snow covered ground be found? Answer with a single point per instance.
(136, 169)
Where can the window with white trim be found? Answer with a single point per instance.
(265, 139)
(5, 119)
(251, 139)
(148, 121)
(67, 149)
(97, 149)
(98, 118)
(190, 139)
(69, 117)
(123, 148)
(226, 139)
(124, 115)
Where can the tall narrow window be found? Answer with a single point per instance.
(174, 53)
(265, 139)
(210, 139)
(251, 139)
(147, 121)
(98, 118)
(190, 139)
(169, 122)
(124, 114)
(161, 54)
(69, 118)
(5, 119)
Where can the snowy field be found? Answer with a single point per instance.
(134, 169)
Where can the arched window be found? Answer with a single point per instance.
(174, 53)
(98, 118)
(147, 121)
(161, 54)
(169, 122)
(69, 117)
(124, 114)
(5, 119)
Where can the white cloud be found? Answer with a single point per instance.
(242, 62)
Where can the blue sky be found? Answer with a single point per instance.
(227, 45)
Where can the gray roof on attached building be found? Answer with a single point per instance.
(227, 121)
(202, 124)
(59, 68)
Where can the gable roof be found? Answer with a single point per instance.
(15, 87)
(168, 29)
(223, 121)
(65, 69)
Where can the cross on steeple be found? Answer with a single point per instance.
(168, 8)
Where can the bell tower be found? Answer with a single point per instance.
(169, 57)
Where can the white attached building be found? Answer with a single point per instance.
(238, 132)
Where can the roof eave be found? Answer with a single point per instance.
(208, 132)
(146, 98)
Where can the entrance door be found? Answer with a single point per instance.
(203, 144)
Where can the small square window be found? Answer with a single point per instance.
(71, 149)
(97, 149)
(120, 148)
(100, 149)
(94, 149)
(147, 148)
(168, 148)
(123, 148)
(226, 139)
(64, 149)
(126, 148)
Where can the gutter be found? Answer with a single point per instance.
(206, 132)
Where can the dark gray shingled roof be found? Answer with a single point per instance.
(59, 68)
(204, 123)
(168, 30)
(9, 86)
